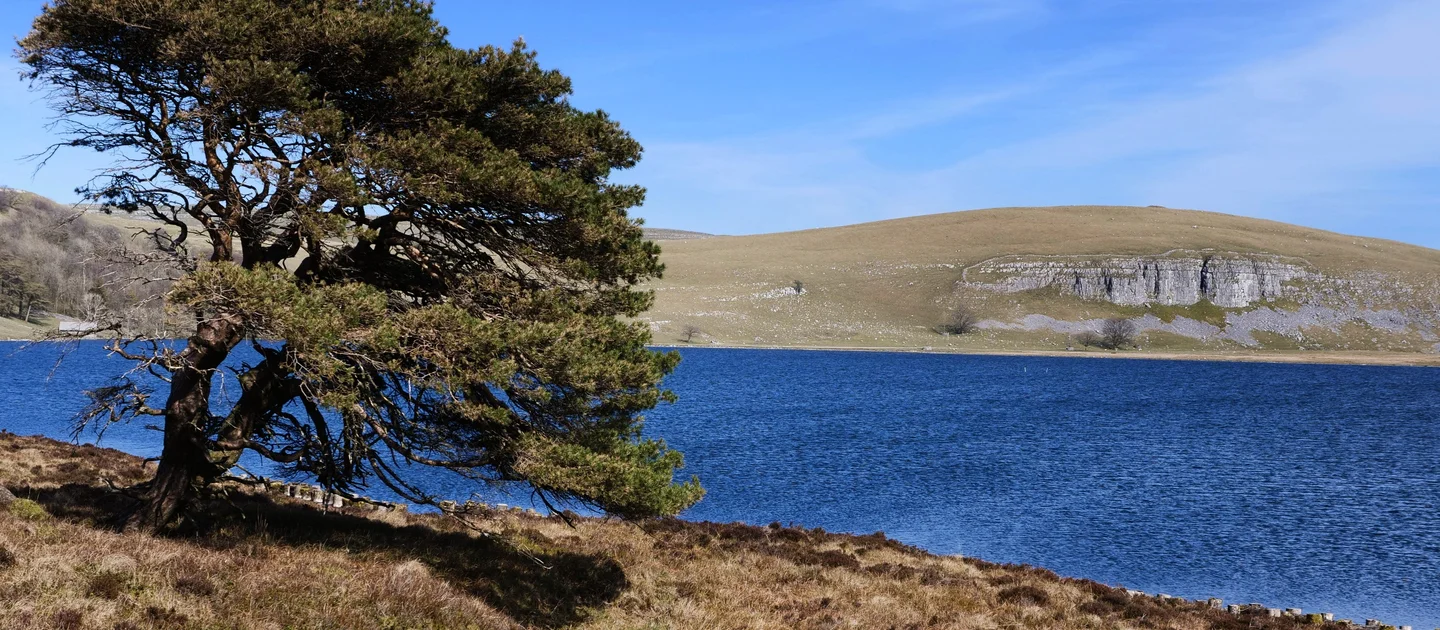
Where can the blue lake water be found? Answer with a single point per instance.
(1305, 486)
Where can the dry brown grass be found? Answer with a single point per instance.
(889, 283)
(262, 561)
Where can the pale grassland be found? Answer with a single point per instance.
(14, 328)
(887, 284)
(263, 561)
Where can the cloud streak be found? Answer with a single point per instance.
(1306, 135)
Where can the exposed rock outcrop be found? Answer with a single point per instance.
(1174, 278)
(1395, 312)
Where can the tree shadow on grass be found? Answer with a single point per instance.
(547, 586)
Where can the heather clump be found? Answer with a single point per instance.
(260, 559)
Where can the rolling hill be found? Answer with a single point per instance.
(1036, 280)
(1194, 282)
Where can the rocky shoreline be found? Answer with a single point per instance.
(1261, 610)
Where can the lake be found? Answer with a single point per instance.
(1309, 486)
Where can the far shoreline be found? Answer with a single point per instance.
(1311, 357)
(1314, 357)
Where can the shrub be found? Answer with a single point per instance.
(108, 585)
(1117, 332)
(69, 619)
(832, 559)
(165, 618)
(688, 333)
(1088, 339)
(195, 584)
(1097, 608)
(1026, 595)
(963, 320)
(28, 510)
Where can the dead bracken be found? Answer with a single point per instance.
(259, 559)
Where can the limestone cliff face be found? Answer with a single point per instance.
(1174, 278)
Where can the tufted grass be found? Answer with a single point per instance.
(257, 560)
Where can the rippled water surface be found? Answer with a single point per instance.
(1291, 485)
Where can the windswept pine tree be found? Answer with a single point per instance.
(422, 243)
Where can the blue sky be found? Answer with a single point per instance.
(769, 116)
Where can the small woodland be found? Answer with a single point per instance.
(54, 260)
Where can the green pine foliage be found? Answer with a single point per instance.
(422, 241)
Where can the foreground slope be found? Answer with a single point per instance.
(1039, 276)
(256, 559)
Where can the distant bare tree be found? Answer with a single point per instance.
(1089, 339)
(688, 333)
(8, 198)
(92, 307)
(54, 260)
(799, 287)
(961, 320)
(1116, 333)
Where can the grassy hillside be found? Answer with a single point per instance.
(14, 328)
(663, 234)
(888, 283)
(257, 560)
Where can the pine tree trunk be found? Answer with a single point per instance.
(183, 463)
(168, 493)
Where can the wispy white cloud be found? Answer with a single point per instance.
(704, 31)
(1293, 136)
(1353, 107)
(1270, 138)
